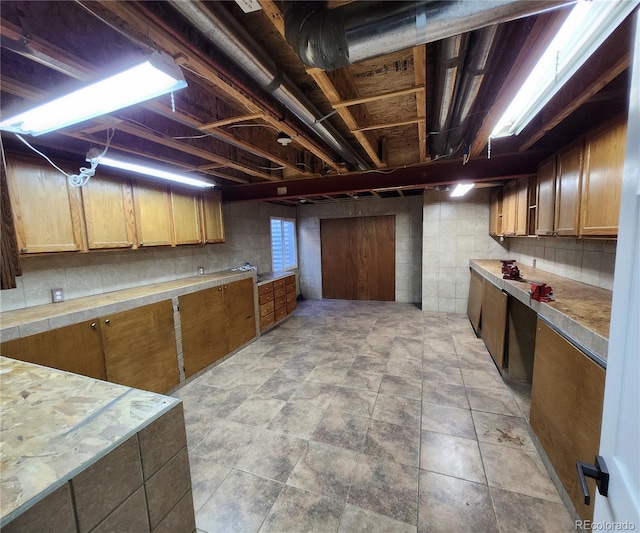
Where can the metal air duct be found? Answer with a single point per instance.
(232, 39)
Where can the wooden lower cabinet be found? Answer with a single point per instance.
(494, 322)
(474, 303)
(566, 409)
(76, 348)
(215, 322)
(277, 300)
(140, 347)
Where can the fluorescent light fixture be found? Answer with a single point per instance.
(154, 172)
(461, 189)
(155, 77)
(588, 25)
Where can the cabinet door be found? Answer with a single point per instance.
(153, 215)
(522, 206)
(495, 212)
(186, 217)
(140, 347)
(108, 213)
(509, 209)
(76, 348)
(566, 408)
(474, 303)
(46, 209)
(602, 184)
(202, 319)
(212, 218)
(494, 322)
(240, 313)
(545, 197)
(568, 190)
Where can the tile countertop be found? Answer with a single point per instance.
(581, 312)
(268, 277)
(55, 424)
(32, 320)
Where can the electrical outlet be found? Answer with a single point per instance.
(57, 296)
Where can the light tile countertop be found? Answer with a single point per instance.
(55, 424)
(32, 320)
(268, 277)
(581, 312)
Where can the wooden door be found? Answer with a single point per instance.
(153, 215)
(239, 304)
(358, 258)
(46, 208)
(185, 208)
(569, 190)
(509, 209)
(602, 184)
(494, 322)
(522, 206)
(76, 348)
(566, 408)
(213, 226)
(108, 213)
(140, 347)
(474, 303)
(204, 337)
(495, 212)
(545, 197)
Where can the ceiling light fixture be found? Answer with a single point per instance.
(461, 189)
(154, 172)
(283, 138)
(156, 76)
(588, 25)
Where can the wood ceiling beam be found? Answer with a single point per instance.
(391, 125)
(420, 73)
(611, 59)
(381, 96)
(275, 15)
(330, 91)
(440, 172)
(229, 121)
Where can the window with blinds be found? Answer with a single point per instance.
(284, 253)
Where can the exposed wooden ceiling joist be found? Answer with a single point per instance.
(381, 96)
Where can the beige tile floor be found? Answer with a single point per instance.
(365, 416)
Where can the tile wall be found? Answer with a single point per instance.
(248, 238)
(408, 213)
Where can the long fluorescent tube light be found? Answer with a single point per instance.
(461, 189)
(588, 25)
(154, 172)
(155, 77)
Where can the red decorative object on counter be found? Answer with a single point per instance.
(541, 292)
(510, 270)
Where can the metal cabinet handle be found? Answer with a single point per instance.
(141, 243)
(23, 250)
(599, 472)
(107, 321)
(130, 245)
(93, 324)
(219, 288)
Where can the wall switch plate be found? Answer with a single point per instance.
(200, 271)
(57, 296)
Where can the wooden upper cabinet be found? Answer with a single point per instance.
(545, 197)
(108, 213)
(212, 222)
(46, 209)
(509, 209)
(602, 184)
(185, 206)
(522, 206)
(568, 189)
(495, 212)
(154, 224)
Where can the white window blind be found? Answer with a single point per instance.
(283, 244)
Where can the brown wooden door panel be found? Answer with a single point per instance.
(545, 201)
(140, 347)
(154, 222)
(568, 189)
(474, 304)
(204, 338)
(76, 348)
(566, 408)
(185, 208)
(240, 313)
(494, 322)
(358, 258)
(212, 220)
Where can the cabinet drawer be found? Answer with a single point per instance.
(291, 288)
(281, 313)
(292, 306)
(265, 289)
(280, 302)
(291, 297)
(281, 291)
(266, 321)
(266, 309)
(278, 284)
(265, 298)
(290, 280)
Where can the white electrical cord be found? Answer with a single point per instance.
(84, 174)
